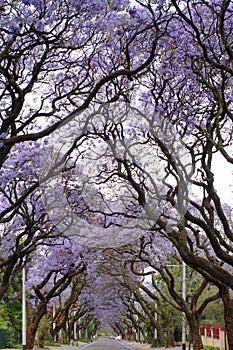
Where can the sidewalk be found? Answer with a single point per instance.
(139, 346)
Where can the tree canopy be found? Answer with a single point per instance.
(114, 118)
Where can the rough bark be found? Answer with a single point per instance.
(228, 314)
(160, 335)
(170, 337)
(196, 336)
(33, 320)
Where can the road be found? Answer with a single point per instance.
(106, 344)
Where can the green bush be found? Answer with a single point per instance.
(74, 342)
(51, 343)
(16, 346)
(84, 340)
(208, 347)
(154, 343)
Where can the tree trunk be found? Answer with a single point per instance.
(196, 337)
(160, 335)
(228, 314)
(194, 324)
(170, 337)
(33, 319)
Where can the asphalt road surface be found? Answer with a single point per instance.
(106, 344)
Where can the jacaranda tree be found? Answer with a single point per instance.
(153, 162)
(137, 101)
(56, 58)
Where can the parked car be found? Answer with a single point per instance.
(118, 337)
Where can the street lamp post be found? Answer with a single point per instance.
(184, 298)
(24, 317)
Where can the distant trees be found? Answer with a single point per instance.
(155, 291)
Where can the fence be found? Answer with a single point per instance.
(214, 335)
(9, 338)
